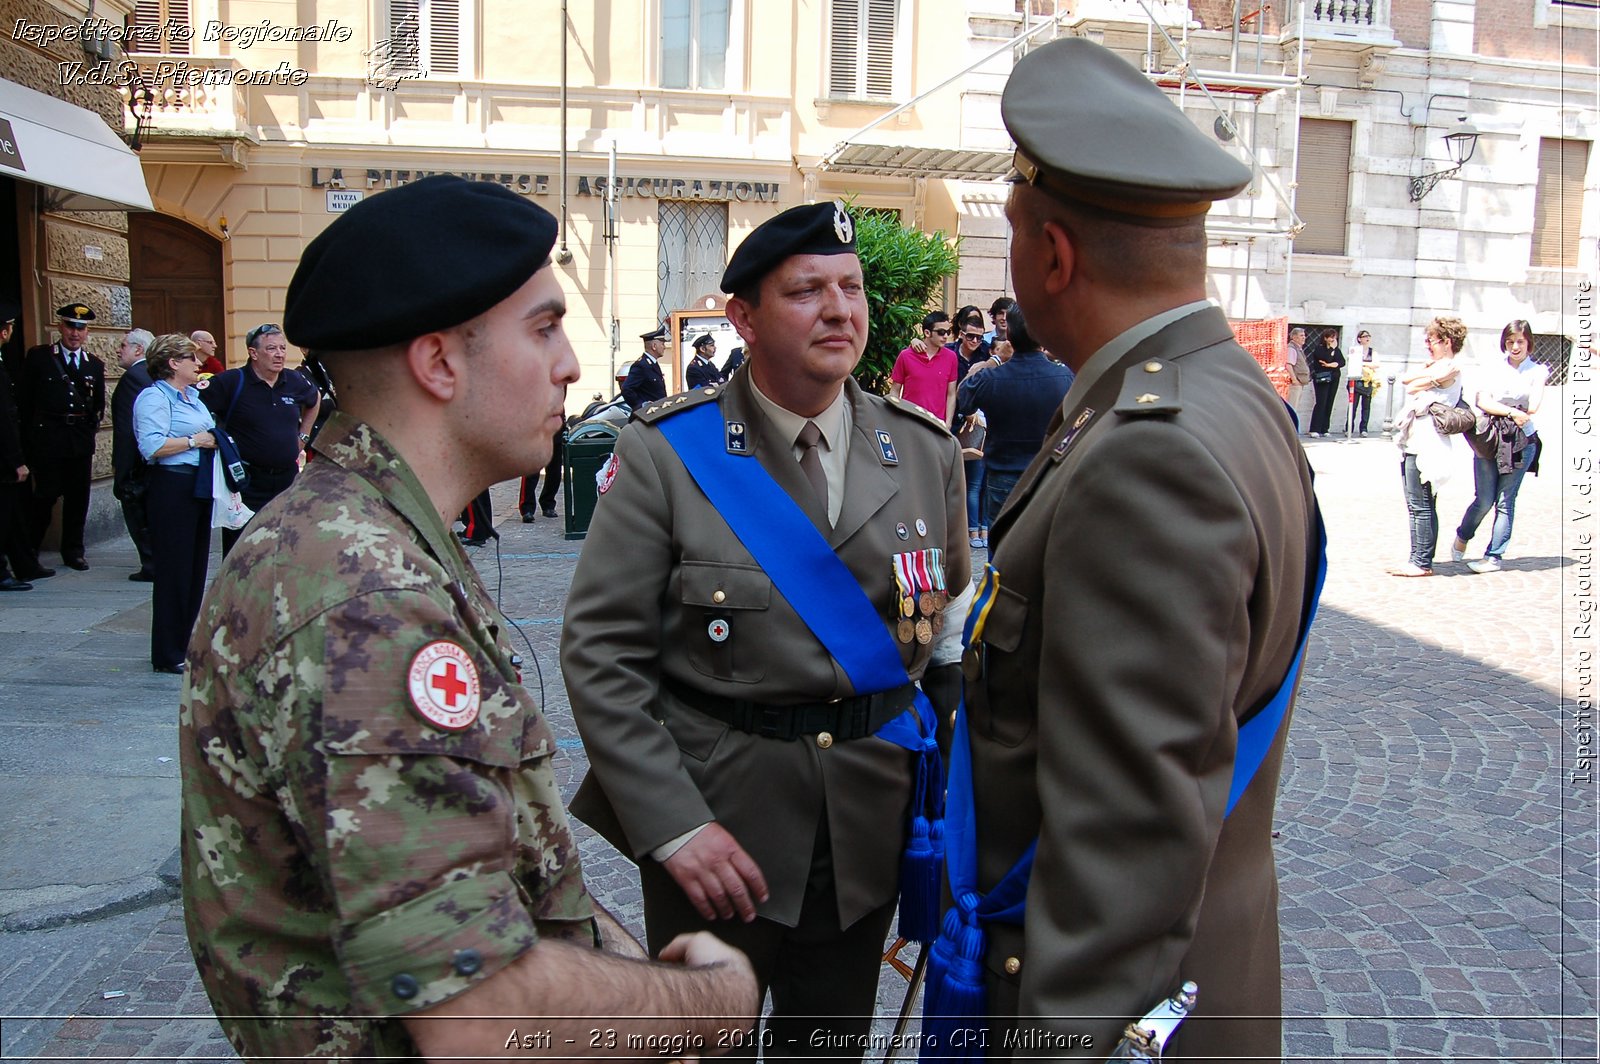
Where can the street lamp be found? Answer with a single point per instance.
(141, 102)
(1460, 143)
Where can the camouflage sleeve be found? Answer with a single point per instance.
(410, 814)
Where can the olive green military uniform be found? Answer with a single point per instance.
(659, 570)
(1151, 561)
(346, 859)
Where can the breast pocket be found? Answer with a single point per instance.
(1000, 677)
(725, 610)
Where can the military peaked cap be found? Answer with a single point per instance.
(659, 334)
(810, 229)
(423, 257)
(1091, 128)
(75, 314)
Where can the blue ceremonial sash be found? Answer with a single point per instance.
(829, 599)
(955, 998)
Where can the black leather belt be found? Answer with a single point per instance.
(848, 718)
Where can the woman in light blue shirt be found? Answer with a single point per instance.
(172, 426)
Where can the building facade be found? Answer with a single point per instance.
(662, 131)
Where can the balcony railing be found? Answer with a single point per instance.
(191, 94)
(1356, 20)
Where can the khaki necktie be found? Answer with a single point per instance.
(811, 465)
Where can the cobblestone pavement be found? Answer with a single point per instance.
(1438, 839)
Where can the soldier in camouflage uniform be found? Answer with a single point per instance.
(373, 841)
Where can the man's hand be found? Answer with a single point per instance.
(22, 473)
(718, 876)
(704, 950)
(919, 347)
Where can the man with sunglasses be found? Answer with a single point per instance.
(928, 377)
(268, 410)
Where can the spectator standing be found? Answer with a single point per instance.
(127, 463)
(1299, 368)
(927, 377)
(546, 496)
(269, 411)
(645, 382)
(172, 426)
(1428, 457)
(1327, 362)
(19, 563)
(1511, 389)
(1018, 399)
(1366, 376)
(63, 400)
(205, 346)
(971, 340)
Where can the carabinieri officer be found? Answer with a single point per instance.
(736, 747)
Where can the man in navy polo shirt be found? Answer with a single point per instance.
(269, 411)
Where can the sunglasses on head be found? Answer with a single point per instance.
(258, 332)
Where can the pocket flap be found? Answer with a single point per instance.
(1003, 628)
(722, 586)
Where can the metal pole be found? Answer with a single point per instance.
(908, 1005)
(612, 240)
(564, 256)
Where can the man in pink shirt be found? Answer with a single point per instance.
(928, 378)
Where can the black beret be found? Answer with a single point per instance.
(75, 314)
(1090, 127)
(659, 334)
(809, 229)
(423, 257)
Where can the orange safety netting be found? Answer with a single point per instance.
(1266, 339)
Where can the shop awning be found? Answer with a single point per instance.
(886, 160)
(69, 151)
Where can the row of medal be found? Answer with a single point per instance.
(921, 591)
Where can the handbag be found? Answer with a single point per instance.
(971, 436)
(227, 507)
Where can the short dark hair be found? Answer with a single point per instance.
(163, 351)
(1003, 303)
(1518, 325)
(1017, 331)
(932, 318)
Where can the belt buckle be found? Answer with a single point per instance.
(861, 717)
(769, 722)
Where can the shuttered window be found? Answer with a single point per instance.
(1323, 174)
(861, 51)
(154, 22)
(427, 38)
(1558, 201)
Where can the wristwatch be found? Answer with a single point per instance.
(305, 437)
(191, 443)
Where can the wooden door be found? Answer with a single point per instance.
(177, 277)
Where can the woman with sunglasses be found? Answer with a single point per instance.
(172, 426)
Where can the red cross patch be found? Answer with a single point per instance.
(607, 475)
(444, 686)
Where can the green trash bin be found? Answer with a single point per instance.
(589, 444)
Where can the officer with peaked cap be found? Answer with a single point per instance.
(409, 870)
(768, 808)
(62, 396)
(1167, 519)
(645, 382)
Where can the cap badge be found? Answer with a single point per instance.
(443, 682)
(844, 227)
